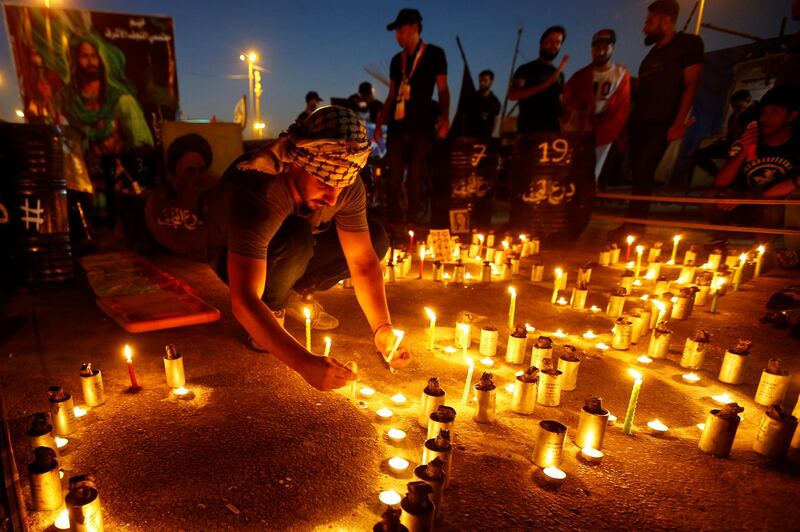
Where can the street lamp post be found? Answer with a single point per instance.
(699, 17)
(251, 58)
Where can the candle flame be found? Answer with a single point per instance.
(327, 340)
(390, 497)
(743, 257)
(559, 272)
(62, 521)
(128, 353)
(561, 301)
(61, 442)
(384, 413)
(450, 349)
(722, 398)
(644, 359)
(398, 463)
(761, 250)
(594, 308)
(719, 282)
(676, 238)
(510, 387)
(307, 313)
(396, 434)
(398, 334)
(512, 291)
(635, 374)
(504, 244)
(589, 335)
(629, 239)
(398, 399)
(601, 346)
(645, 297)
(180, 391)
(659, 305)
(411, 233)
(639, 249)
(674, 299)
(488, 362)
(480, 238)
(701, 426)
(430, 313)
(592, 452)
(559, 333)
(470, 363)
(523, 238)
(657, 426)
(80, 412)
(629, 265)
(529, 328)
(691, 377)
(366, 391)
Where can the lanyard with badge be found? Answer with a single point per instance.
(404, 91)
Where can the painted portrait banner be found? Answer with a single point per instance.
(110, 76)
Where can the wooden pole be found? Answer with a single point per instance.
(513, 68)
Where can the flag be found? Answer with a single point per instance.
(465, 121)
(240, 112)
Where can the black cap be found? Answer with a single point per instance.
(669, 8)
(783, 96)
(312, 95)
(604, 35)
(405, 16)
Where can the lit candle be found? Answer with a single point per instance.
(79, 412)
(589, 335)
(529, 328)
(737, 277)
(638, 267)
(561, 301)
(398, 337)
(601, 346)
(307, 314)
(657, 427)
(759, 260)
(691, 378)
(612, 419)
(629, 239)
(366, 391)
(431, 329)
(327, 352)
(512, 306)
(662, 311)
(701, 427)
(644, 359)
(716, 288)
(594, 308)
(398, 399)
(556, 284)
(722, 399)
(450, 350)
(410, 241)
(398, 465)
(396, 435)
(591, 455)
(559, 334)
(61, 442)
(468, 381)
(510, 387)
(554, 474)
(637, 386)
(421, 261)
(62, 521)
(675, 240)
(488, 362)
(390, 498)
(180, 391)
(384, 414)
(131, 372)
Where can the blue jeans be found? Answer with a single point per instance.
(299, 260)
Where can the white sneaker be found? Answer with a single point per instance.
(320, 320)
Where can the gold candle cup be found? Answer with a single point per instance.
(774, 437)
(732, 370)
(718, 434)
(549, 391)
(523, 400)
(549, 443)
(569, 373)
(591, 429)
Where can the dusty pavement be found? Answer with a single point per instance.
(256, 448)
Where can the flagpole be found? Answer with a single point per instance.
(513, 68)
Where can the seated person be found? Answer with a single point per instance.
(763, 163)
(740, 115)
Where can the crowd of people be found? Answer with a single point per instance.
(642, 115)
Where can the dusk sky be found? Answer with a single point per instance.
(324, 46)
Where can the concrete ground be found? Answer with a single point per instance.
(256, 448)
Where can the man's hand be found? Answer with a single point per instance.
(678, 130)
(442, 127)
(557, 74)
(325, 373)
(384, 340)
(749, 138)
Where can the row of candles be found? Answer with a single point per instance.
(48, 435)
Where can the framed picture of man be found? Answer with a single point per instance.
(459, 221)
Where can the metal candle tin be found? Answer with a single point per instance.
(83, 505)
(774, 437)
(687, 275)
(490, 239)
(499, 257)
(615, 306)
(640, 319)
(488, 345)
(683, 306)
(714, 260)
(515, 265)
(615, 255)
(569, 373)
(428, 405)
(516, 349)
(538, 354)
(622, 334)
(435, 482)
(578, 300)
(549, 392)
(458, 272)
(505, 271)
(490, 253)
(694, 353)
(626, 281)
(62, 411)
(584, 274)
(391, 273)
(486, 272)
(732, 370)
(718, 434)
(771, 388)
(436, 271)
(561, 282)
(591, 429)
(653, 253)
(463, 336)
(537, 272)
(534, 246)
(653, 270)
(549, 443)
(690, 257)
(41, 432)
(523, 401)
(605, 258)
(441, 419)
(173, 367)
(485, 402)
(45, 482)
(445, 454)
(414, 516)
(659, 343)
(92, 385)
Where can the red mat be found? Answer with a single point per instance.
(140, 297)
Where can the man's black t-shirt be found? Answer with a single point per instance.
(540, 112)
(771, 165)
(488, 109)
(661, 78)
(420, 109)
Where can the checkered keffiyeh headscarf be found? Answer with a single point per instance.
(331, 144)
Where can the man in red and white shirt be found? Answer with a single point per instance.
(598, 97)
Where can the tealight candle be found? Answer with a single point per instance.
(450, 350)
(488, 362)
(657, 427)
(594, 308)
(398, 464)
(384, 414)
(398, 399)
(612, 419)
(61, 442)
(180, 391)
(701, 426)
(554, 474)
(561, 301)
(62, 521)
(690, 377)
(79, 412)
(390, 497)
(510, 387)
(644, 359)
(366, 391)
(559, 334)
(722, 399)
(601, 346)
(589, 335)
(396, 435)
(591, 455)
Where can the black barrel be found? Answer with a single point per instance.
(552, 184)
(473, 177)
(33, 193)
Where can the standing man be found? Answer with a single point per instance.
(488, 104)
(537, 86)
(668, 79)
(312, 102)
(598, 97)
(291, 217)
(365, 103)
(412, 115)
